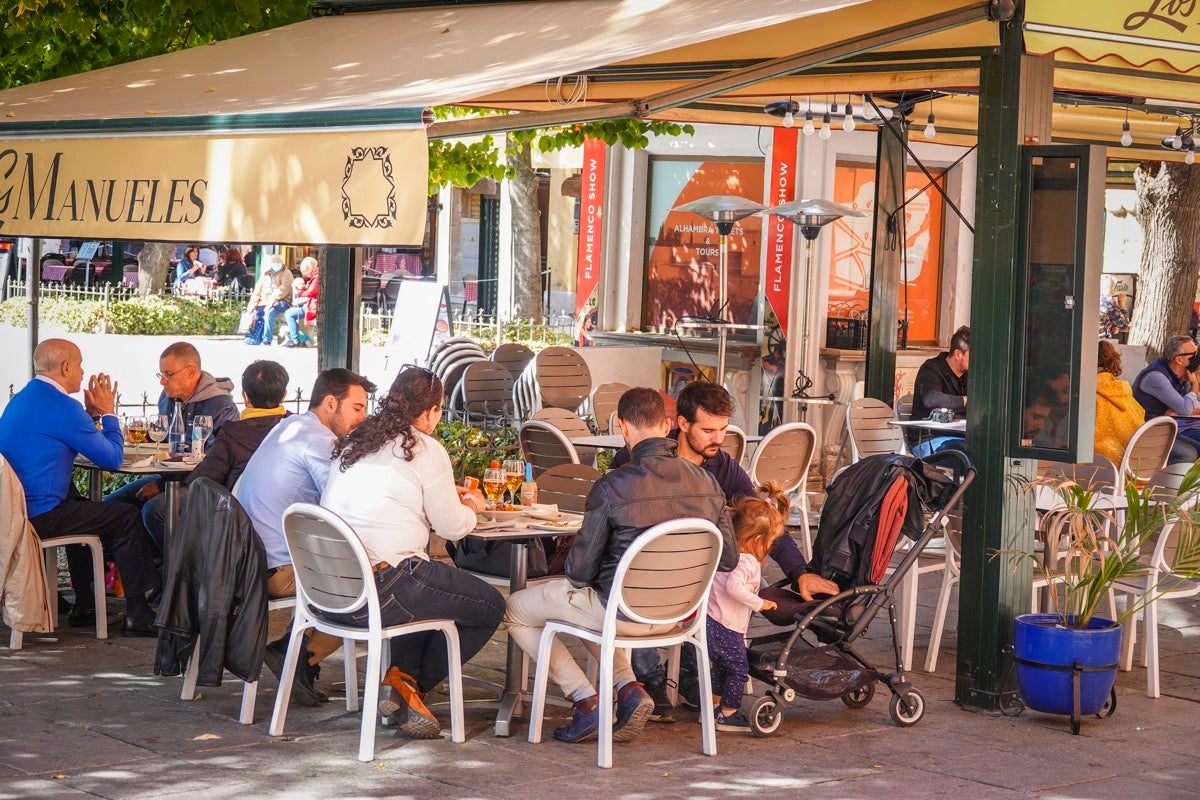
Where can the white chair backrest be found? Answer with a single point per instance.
(567, 486)
(904, 406)
(735, 443)
(333, 573)
(1148, 449)
(568, 422)
(784, 455)
(870, 434)
(1098, 476)
(545, 446)
(604, 404)
(665, 575)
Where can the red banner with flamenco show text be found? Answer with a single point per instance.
(778, 235)
(591, 203)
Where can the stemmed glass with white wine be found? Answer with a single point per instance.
(514, 476)
(493, 487)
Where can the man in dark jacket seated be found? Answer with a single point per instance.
(702, 417)
(264, 385)
(654, 487)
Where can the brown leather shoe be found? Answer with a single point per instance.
(402, 703)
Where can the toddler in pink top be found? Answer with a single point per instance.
(758, 523)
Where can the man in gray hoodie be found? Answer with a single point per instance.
(195, 392)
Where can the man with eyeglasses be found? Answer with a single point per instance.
(195, 392)
(1167, 387)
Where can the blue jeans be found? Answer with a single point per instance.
(418, 590)
(272, 315)
(293, 316)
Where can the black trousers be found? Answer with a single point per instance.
(120, 528)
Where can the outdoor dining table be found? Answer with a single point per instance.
(141, 460)
(519, 532)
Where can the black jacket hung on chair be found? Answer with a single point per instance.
(216, 589)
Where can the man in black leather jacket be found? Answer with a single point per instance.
(655, 486)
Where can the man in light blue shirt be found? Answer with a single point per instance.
(291, 466)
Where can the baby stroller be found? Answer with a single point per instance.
(868, 506)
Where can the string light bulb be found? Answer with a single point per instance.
(1126, 136)
(930, 131)
(808, 128)
(1177, 139)
(848, 120)
(789, 121)
(1190, 158)
(826, 128)
(868, 110)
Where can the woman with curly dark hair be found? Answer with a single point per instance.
(393, 482)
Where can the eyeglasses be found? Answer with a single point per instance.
(1188, 354)
(169, 375)
(420, 370)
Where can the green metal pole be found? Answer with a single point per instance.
(885, 263)
(996, 516)
(337, 312)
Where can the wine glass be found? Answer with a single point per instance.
(136, 428)
(493, 487)
(202, 425)
(157, 429)
(514, 476)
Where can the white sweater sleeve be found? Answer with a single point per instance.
(447, 515)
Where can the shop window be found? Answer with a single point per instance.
(683, 250)
(920, 235)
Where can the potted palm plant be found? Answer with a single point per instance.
(1066, 659)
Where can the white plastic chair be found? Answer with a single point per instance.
(662, 579)
(250, 690)
(1147, 451)
(16, 639)
(785, 455)
(870, 434)
(734, 443)
(333, 575)
(1160, 576)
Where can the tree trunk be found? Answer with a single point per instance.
(526, 229)
(1168, 194)
(153, 263)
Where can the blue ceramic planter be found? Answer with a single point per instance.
(1046, 654)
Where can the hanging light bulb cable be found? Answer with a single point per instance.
(848, 120)
(1126, 136)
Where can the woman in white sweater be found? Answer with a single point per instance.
(393, 482)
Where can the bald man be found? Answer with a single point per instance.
(41, 431)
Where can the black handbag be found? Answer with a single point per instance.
(492, 557)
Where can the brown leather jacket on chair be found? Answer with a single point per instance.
(22, 571)
(216, 589)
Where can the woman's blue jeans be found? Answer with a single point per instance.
(420, 590)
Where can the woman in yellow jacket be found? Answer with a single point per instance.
(1118, 415)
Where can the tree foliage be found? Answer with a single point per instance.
(462, 164)
(44, 39)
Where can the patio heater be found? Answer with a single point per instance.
(722, 211)
(810, 216)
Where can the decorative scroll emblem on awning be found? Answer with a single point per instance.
(368, 190)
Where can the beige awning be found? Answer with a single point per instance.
(1137, 32)
(310, 132)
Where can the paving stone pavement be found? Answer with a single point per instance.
(86, 718)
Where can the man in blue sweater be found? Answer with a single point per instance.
(41, 431)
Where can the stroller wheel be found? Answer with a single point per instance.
(765, 716)
(907, 710)
(860, 697)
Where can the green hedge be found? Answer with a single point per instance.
(152, 315)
